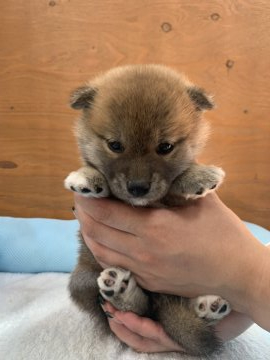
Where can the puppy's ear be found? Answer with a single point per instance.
(201, 100)
(83, 97)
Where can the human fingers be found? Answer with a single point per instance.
(135, 341)
(113, 213)
(127, 336)
(107, 257)
(109, 237)
(141, 333)
(104, 242)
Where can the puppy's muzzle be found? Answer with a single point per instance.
(138, 188)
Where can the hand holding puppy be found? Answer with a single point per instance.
(185, 251)
(145, 335)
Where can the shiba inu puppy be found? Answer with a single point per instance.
(139, 134)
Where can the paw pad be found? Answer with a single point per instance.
(108, 293)
(211, 307)
(98, 189)
(113, 274)
(199, 192)
(113, 281)
(108, 282)
(85, 190)
(215, 306)
(87, 182)
(201, 306)
(119, 287)
(223, 309)
(200, 180)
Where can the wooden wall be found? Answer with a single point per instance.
(49, 47)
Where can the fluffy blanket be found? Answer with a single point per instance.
(38, 321)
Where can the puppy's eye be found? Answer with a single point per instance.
(164, 148)
(116, 146)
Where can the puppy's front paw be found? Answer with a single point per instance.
(88, 182)
(198, 181)
(211, 307)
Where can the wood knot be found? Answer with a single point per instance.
(166, 27)
(8, 164)
(52, 3)
(215, 16)
(229, 64)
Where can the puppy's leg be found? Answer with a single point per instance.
(119, 287)
(87, 181)
(210, 307)
(184, 326)
(83, 286)
(197, 181)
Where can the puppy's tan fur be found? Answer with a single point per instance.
(141, 107)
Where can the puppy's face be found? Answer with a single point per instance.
(141, 128)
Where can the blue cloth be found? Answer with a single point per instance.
(259, 232)
(38, 245)
(48, 245)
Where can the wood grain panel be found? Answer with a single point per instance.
(50, 47)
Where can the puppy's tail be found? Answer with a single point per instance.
(194, 334)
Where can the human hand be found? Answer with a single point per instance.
(145, 335)
(139, 333)
(188, 251)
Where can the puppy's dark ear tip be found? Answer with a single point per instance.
(201, 100)
(82, 97)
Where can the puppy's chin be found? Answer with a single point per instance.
(139, 202)
(147, 200)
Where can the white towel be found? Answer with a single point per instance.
(39, 322)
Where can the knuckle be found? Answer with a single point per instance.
(100, 258)
(154, 222)
(97, 250)
(138, 345)
(89, 230)
(151, 286)
(92, 246)
(102, 213)
(114, 327)
(145, 258)
(141, 346)
(147, 282)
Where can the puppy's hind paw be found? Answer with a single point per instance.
(211, 307)
(115, 282)
(119, 287)
(87, 182)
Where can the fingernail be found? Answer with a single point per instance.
(109, 315)
(100, 300)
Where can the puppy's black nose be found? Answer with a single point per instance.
(138, 188)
